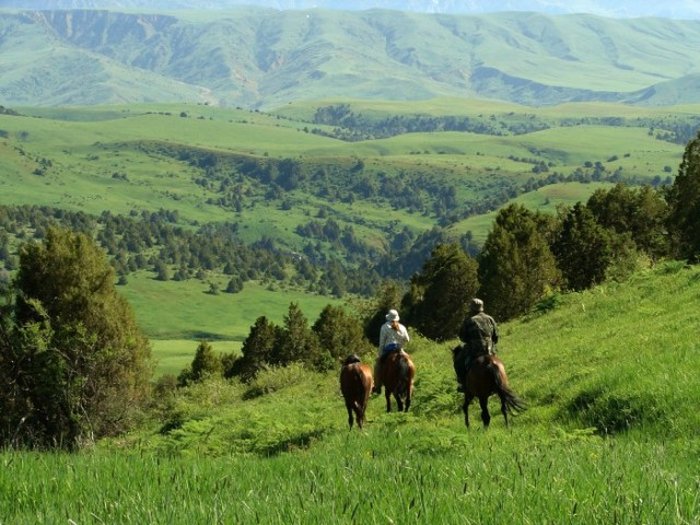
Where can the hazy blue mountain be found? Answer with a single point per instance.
(257, 57)
(681, 9)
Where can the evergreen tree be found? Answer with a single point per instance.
(206, 363)
(162, 271)
(79, 365)
(439, 296)
(582, 249)
(296, 341)
(339, 334)
(684, 205)
(516, 266)
(638, 212)
(256, 351)
(234, 285)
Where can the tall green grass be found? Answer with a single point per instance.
(404, 475)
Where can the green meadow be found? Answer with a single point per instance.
(195, 313)
(172, 356)
(609, 376)
(178, 315)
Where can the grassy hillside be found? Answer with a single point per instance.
(609, 436)
(266, 58)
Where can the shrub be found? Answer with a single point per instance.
(276, 378)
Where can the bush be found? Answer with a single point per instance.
(274, 379)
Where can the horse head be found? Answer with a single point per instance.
(352, 358)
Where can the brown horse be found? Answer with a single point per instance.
(487, 376)
(398, 372)
(356, 384)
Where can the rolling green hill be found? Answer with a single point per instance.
(265, 58)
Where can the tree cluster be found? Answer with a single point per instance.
(354, 126)
(351, 126)
(155, 241)
(333, 336)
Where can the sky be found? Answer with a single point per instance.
(682, 9)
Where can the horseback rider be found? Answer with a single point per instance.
(393, 336)
(479, 335)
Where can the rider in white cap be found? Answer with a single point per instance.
(393, 336)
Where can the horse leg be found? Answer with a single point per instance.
(408, 398)
(349, 407)
(359, 415)
(504, 408)
(399, 402)
(387, 394)
(465, 408)
(485, 416)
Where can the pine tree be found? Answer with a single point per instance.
(296, 342)
(339, 334)
(440, 293)
(638, 212)
(206, 363)
(684, 205)
(516, 266)
(256, 351)
(582, 249)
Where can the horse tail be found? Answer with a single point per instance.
(357, 406)
(512, 402)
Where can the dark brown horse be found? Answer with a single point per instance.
(356, 385)
(398, 372)
(487, 376)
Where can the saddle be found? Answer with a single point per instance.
(464, 357)
(389, 349)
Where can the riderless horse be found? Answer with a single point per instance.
(356, 385)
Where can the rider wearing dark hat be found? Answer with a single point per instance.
(479, 335)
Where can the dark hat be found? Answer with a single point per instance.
(476, 305)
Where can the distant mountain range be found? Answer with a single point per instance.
(262, 58)
(681, 9)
